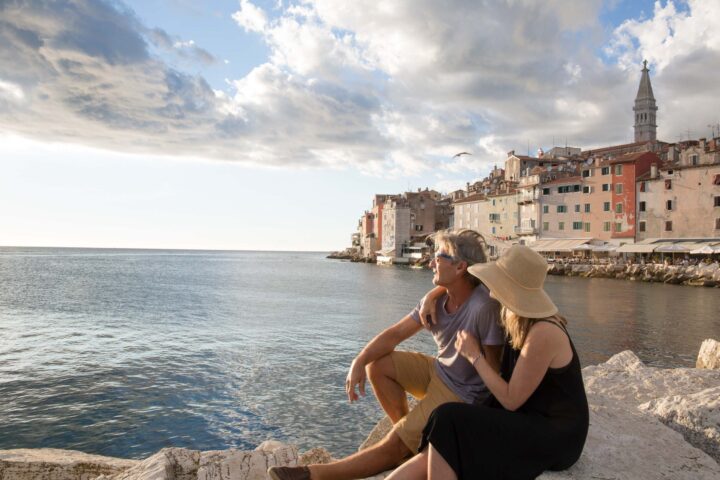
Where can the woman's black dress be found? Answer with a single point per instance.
(488, 442)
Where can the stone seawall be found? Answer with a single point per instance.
(645, 423)
(705, 275)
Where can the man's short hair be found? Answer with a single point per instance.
(464, 245)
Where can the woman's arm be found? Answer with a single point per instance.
(543, 343)
(428, 306)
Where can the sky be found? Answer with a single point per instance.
(270, 124)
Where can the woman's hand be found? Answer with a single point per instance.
(468, 345)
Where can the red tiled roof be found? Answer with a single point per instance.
(630, 157)
(564, 180)
(476, 197)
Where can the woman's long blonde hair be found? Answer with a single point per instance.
(517, 327)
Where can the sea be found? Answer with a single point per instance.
(124, 352)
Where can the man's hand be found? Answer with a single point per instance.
(356, 376)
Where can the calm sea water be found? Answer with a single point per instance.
(123, 352)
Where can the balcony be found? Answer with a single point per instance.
(525, 198)
(526, 231)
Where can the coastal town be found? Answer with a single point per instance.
(649, 200)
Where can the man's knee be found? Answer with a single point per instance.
(382, 367)
(392, 447)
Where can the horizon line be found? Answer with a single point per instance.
(166, 249)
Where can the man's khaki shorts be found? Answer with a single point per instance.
(417, 375)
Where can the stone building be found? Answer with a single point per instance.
(682, 199)
(625, 171)
(563, 207)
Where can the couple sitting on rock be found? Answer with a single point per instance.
(478, 415)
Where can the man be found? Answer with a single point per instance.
(464, 304)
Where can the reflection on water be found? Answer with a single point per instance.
(663, 324)
(123, 352)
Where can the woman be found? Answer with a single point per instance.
(537, 417)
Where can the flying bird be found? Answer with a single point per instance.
(461, 153)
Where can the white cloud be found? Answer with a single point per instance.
(11, 91)
(389, 88)
(251, 17)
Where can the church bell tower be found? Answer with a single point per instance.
(645, 108)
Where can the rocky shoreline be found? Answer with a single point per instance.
(703, 275)
(645, 423)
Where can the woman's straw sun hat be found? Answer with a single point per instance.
(516, 280)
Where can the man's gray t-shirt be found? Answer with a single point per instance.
(479, 315)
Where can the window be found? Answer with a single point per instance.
(493, 230)
(587, 208)
(606, 226)
(642, 206)
(694, 160)
(642, 226)
(587, 189)
(668, 184)
(546, 191)
(668, 226)
(577, 208)
(618, 208)
(418, 228)
(569, 188)
(606, 206)
(717, 224)
(546, 209)
(716, 180)
(546, 226)
(670, 172)
(587, 226)
(561, 225)
(618, 188)
(577, 225)
(669, 205)
(605, 170)
(618, 227)
(717, 201)
(587, 173)
(606, 187)
(643, 186)
(618, 169)
(493, 202)
(562, 209)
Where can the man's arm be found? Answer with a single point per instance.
(381, 345)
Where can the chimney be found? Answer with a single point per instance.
(653, 170)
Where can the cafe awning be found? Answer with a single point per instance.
(637, 248)
(559, 244)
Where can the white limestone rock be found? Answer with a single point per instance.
(167, 464)
(709, 355)
(56, 464)
(695, 416)
(626, 444)
(624, 379)
(244, 465)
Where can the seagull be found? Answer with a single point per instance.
(461, 153)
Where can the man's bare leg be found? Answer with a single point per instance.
(384, 455)
(388, 391)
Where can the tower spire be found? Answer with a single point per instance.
(645, 108)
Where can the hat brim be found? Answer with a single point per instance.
(521, 300)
